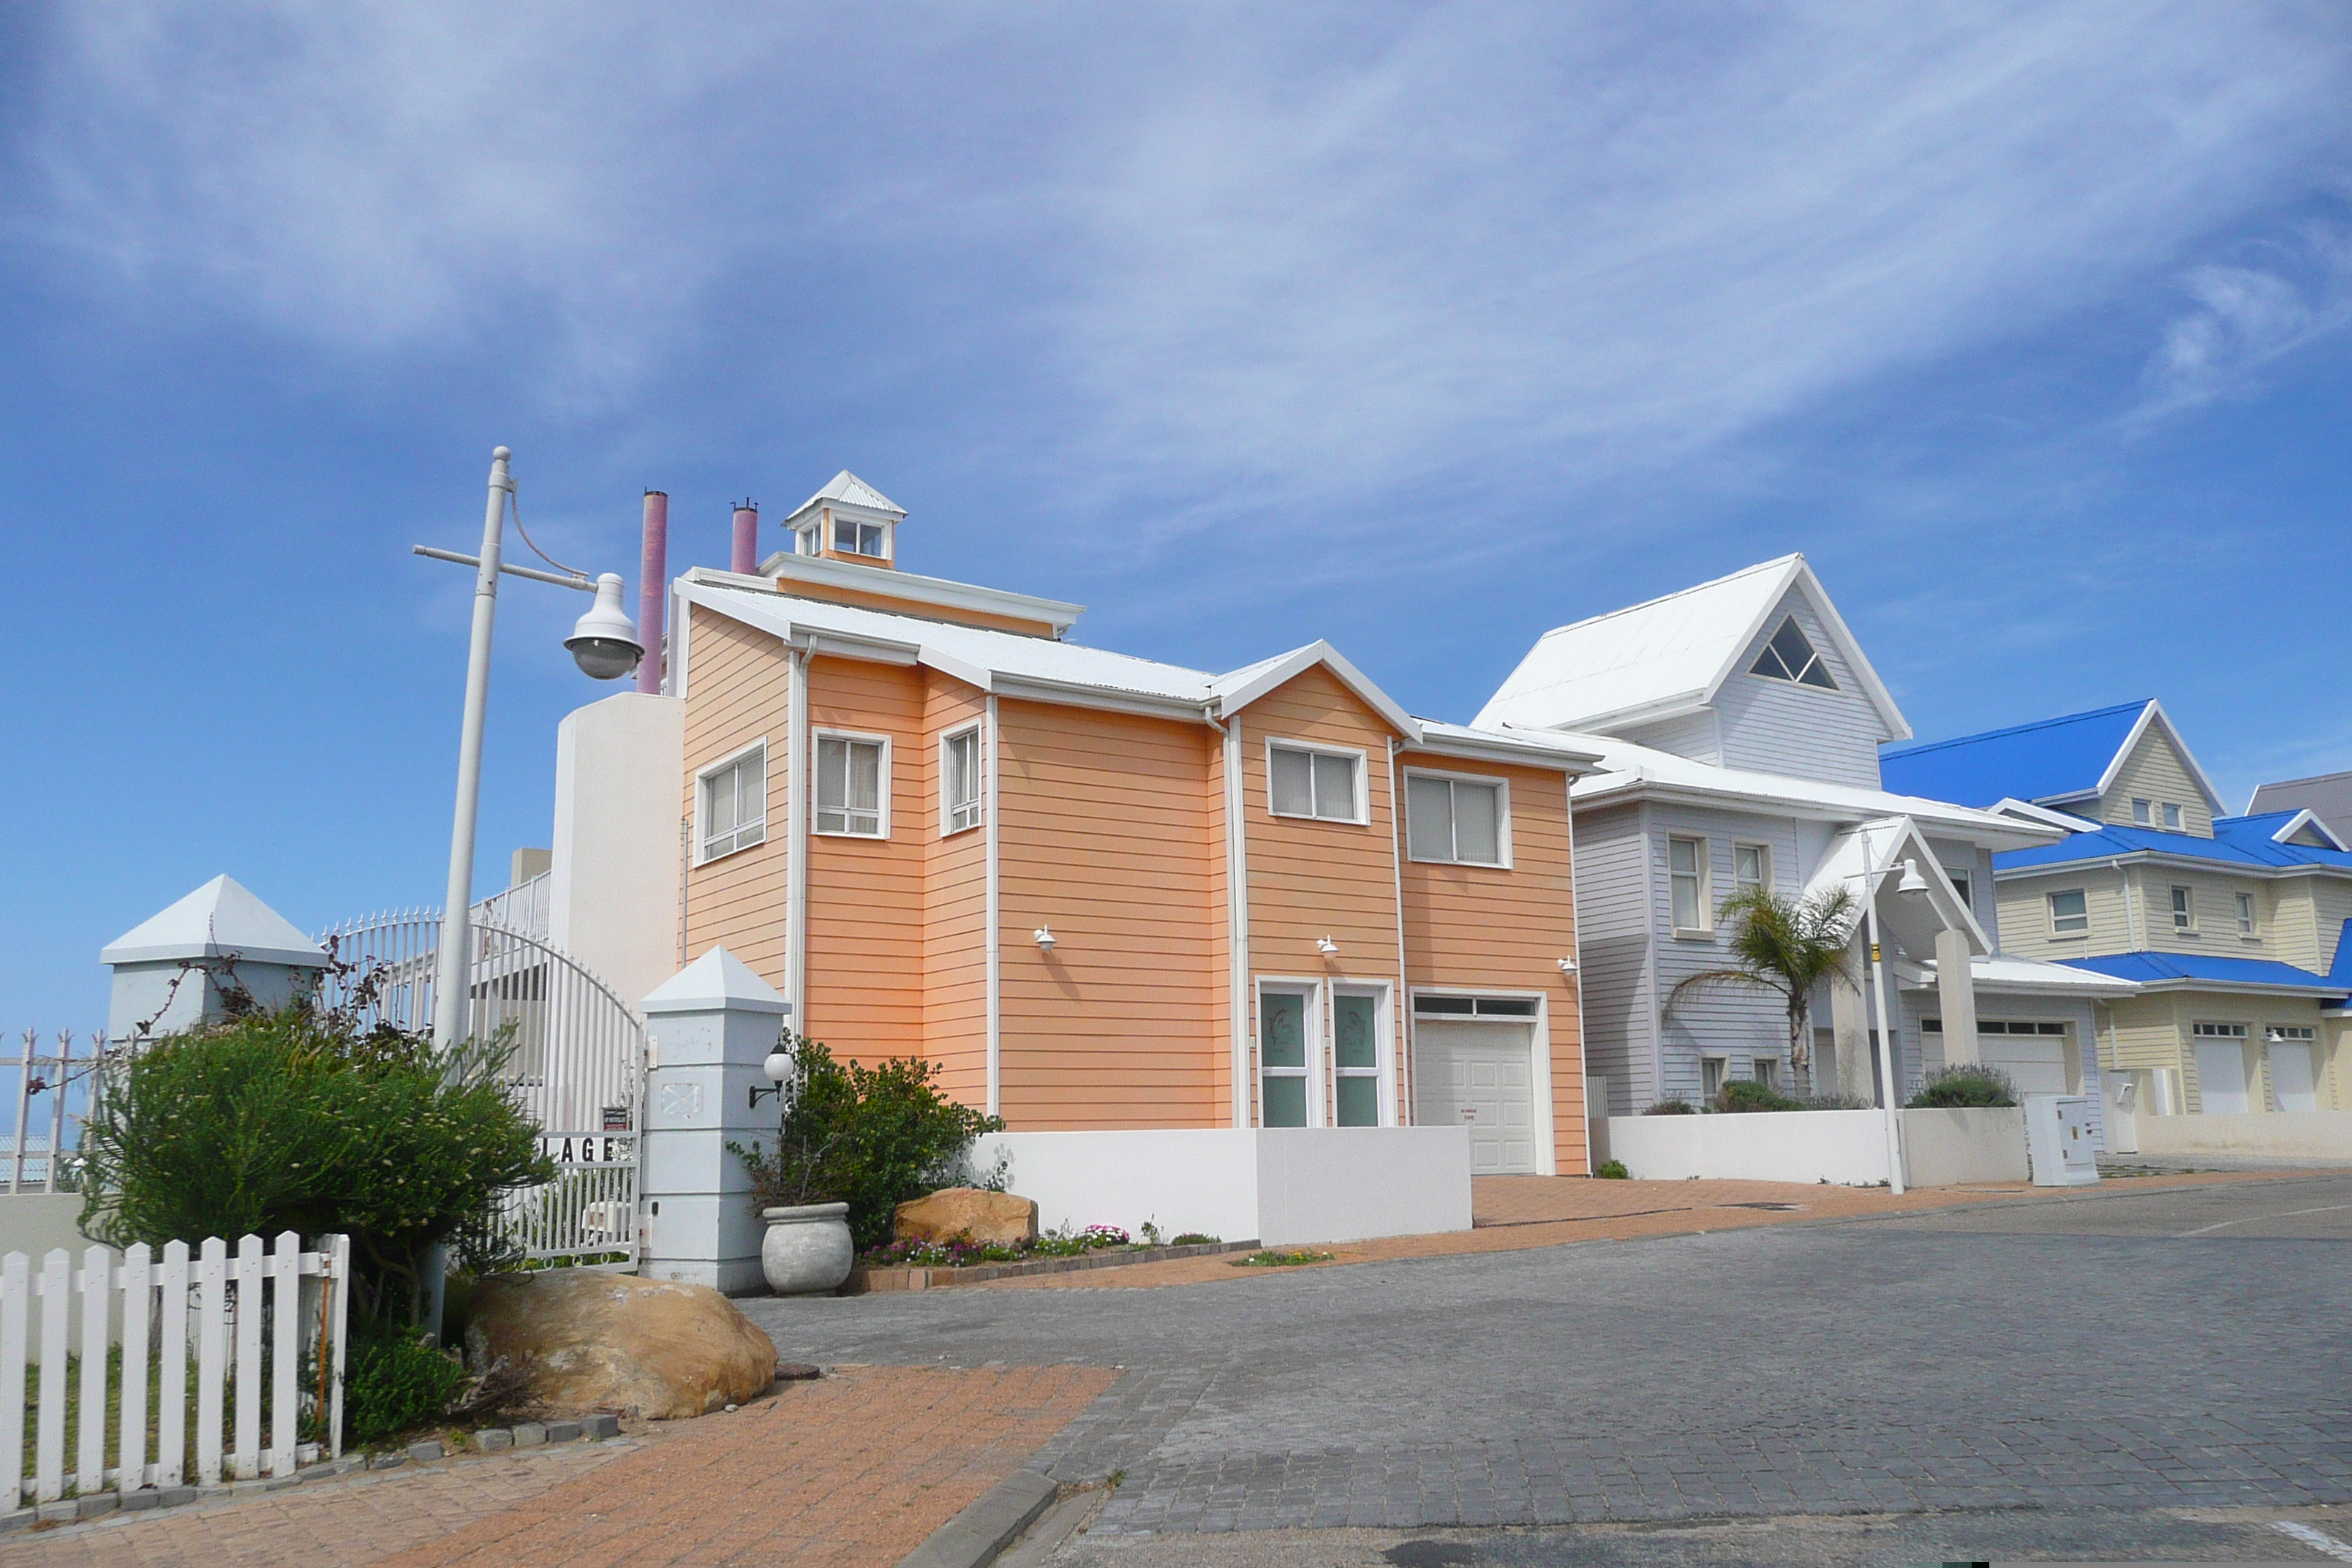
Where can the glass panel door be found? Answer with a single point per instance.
(1282, 1035)
(1356, 1057)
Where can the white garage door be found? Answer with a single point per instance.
(1480, 1076)
(2038, 1064)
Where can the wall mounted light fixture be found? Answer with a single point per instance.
(1044, 936)
(1326, 947)
(1568, 967)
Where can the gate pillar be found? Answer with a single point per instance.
(710, 1028)
(216, 952)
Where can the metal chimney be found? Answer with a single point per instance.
(653, 591)
(747, 540)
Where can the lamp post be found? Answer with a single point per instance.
(604, 644)
(1912, 882)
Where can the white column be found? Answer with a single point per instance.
(1955, 992)
(712, 1024)
(1850, 1028)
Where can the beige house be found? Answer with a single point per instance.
(2232, 927)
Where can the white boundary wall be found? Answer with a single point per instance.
(1845, 1148)
(2290, 1134)
(1281, 1186)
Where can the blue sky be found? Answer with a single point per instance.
(1420, 328)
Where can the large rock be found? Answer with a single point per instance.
(973, 1214)
(589, 1341)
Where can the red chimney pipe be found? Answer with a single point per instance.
(653, 591)
(747, 540)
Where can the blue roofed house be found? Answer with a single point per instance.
(1738, 725)
(2232, 927)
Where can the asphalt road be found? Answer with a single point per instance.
(2145, 1358)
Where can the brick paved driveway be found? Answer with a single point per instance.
(1959, 1359)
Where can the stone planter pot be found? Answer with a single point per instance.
(807, 1251)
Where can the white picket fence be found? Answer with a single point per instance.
(219, 1301)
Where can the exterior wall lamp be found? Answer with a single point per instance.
(1568, 967)
(778, 1067)
(1326, 947)
(1045, 935)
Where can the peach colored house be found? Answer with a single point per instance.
(1103, 892)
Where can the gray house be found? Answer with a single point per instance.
(1738, 723)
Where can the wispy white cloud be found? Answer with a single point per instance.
(1211, 258)
(2246, 318)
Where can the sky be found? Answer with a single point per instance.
(1420, 328)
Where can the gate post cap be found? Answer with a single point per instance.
(217, 920)
(717, 981)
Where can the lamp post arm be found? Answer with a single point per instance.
(451, 982)
(584, 584)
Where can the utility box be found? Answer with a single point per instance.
(2058, 1140)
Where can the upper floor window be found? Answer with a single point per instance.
(1961, 882)
(2245, 914)
(1686, 877)
(2143, 813)
(2184, 909)
(1458, 821)
(1789, 656)
(2172, 816)
(960, 781)
(853, 785)
(1751, 867)
(1304, 781)
(2070, 912)
(858, 537)
(733, 803)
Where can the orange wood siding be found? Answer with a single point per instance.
(1310, 878)
(1492, 927)
(738, 690)
(1109, 838)
(955, 910)
(899, 605)
(865, 987)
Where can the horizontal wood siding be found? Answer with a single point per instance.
(740, 691)
(2154, 772)
(1778, 727)
(1693, 735)
(1612, 916)
(2024, 904)
(1109, 838)
(955, 909)
(865, 987)
(1507, 928)
(1737, 1022)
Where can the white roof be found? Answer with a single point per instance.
(717, 980)
(219, 920)
(2006, 972)
(1880, 849)
(847, 489)
(1627, 770)
(1047, 670)
(1669, 655)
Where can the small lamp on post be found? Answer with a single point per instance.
(779, 1069)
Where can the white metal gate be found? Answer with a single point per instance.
(577, 1067)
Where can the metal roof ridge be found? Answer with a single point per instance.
(1918, 748)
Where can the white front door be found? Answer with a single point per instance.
(2292, 1084)
(2222, 1077)
(1479, 1075)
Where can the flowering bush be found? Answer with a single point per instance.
(960, 1253)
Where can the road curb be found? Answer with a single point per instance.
(989, 1524)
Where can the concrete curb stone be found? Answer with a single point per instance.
(991, 1523)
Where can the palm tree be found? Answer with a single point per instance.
(1785, 946)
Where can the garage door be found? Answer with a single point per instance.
(1479, 1076)
(2037, 1066)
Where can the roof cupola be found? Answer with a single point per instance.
(848, 519)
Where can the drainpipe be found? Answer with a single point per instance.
(653, 591)
(1237, 917)
(990, 750)
(1400, 1005)
(797, 830)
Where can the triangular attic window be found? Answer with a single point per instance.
(1789, 657)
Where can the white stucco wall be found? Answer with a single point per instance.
(619, 770)
(1941, 1148)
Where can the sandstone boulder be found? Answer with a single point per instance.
(588, 1341)
(971, 1212)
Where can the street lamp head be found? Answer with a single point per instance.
(604, 641)
(500, 454)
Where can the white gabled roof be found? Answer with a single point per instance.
(1628, 771)
(1878, 850)
(2000, 971)
(219, 920)
(1667, 656)
(2155, 715)
(845, 489)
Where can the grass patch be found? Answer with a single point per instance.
(1272, 1260)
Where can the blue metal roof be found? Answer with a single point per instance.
(2044, 761)
(2236, 841)
(2148, 968)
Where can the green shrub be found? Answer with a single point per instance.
(1613, 1171)
(1965, 1087)
(1672, 1107)
(1193, 1239)
(871, 1137)
(1743, 1094)
(290, 1120)
(394, 1381)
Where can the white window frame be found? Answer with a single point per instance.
(703, 855)
(1771, 1075)
(1314, 1029)
(881, 534)
(1502, 816)
(1964, 882)
(882, 801)
(2181, 904)
(2143, 813)
(2250, 916)
(949, 826)
(1383, 1069)
(1705, 873)
(2290, 1035)
(1722, 1066)
(1360, 759)
(2172, 816)
(2050, 905)
(1763, 866)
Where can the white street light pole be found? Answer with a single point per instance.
(1886, 1023)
